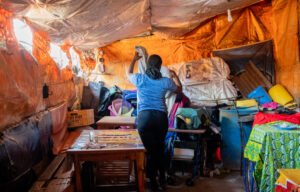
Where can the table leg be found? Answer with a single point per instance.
(140, 171)
(77, 174)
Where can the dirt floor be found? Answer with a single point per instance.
(230, 182)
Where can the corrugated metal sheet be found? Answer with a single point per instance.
(250, 78)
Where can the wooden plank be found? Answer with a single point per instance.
(259, 74)
(58, 185)
(237, 81)
(250, 79)
(66, 170)
(116, 187)
(52, 168)
(255, 81)
(198, 131)
(110, 122)
(54, 185)
(245, 90)
(117, 120)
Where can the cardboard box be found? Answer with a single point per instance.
(79, 118)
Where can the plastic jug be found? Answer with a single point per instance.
(260, 95)
(280, 95)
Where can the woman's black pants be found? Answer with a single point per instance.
(153, 126)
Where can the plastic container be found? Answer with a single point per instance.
(246, 103)
(280, 95)
(260, 95)
(231, 139)
(119, 107)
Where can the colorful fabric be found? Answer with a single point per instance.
(191, 114)
(271, 105)
(262, 118)
(272, 149)
(289, 180)
(179, 103)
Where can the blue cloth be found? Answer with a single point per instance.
(193, 114)
(151, 92)
(131, 96)
(130, 93)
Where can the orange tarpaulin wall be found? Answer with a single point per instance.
(277, 20)
(22, 77)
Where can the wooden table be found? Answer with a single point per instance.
(108, 145)
(111, 122)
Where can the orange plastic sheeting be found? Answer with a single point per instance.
(57, 79)
(14, 89)
(285, 29)
(213, 34)
(279, 20)
(276, 20)
(20, 92)
(22, 79)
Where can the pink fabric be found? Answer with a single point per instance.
(182, 103)
(271, 105)
(262, 118)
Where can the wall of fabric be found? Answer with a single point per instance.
(277, 20)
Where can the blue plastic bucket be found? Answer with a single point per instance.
(260, 95)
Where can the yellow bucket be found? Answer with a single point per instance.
(280, 95)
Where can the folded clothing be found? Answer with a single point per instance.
(262, 118)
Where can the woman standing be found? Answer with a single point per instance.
(152, 120)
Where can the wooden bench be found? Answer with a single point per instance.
(57, 177)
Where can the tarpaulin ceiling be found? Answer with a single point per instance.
(276, 20)
(95, 23)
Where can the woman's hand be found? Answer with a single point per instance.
(172, 74)
(136, 56)
(176, 80)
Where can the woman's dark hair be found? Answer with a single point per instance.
(153, 67)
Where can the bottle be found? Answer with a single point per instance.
(92, 136)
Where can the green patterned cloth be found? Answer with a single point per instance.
(272, 148)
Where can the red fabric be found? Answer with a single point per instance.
(262, 118)
(279, 188)
(218, 155)
(290, 187)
